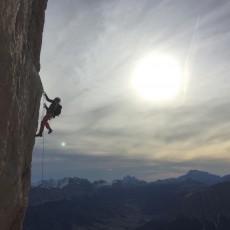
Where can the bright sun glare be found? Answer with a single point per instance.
(158, 77)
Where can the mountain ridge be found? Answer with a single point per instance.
(127, 203)
(196, 175)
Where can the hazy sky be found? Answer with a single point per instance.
(90, 52)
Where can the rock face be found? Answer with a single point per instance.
(21, 27)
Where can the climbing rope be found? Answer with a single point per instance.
(43, 157)
(43, 140)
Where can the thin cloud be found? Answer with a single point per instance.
(115, 167)
(90, 49)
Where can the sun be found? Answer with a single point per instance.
(158, 77)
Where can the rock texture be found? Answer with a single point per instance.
(21, 26)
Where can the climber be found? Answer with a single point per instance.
(53, 110)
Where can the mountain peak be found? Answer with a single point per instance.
(129, 181)
(201, 176)
(51, 183)
(196, 172)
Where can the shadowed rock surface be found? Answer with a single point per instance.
(21, 27)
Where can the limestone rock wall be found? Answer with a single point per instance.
(21, 27)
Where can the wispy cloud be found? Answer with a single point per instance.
(90, 49)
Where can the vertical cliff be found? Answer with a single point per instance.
(21, 27)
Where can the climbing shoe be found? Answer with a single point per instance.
(38, 135)
(50, 131)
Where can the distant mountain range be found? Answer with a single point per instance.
(200, 176)
(198, 199)
(126, 181)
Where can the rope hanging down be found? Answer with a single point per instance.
(43, 144)
(43, 157)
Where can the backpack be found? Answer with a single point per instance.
(57, 111)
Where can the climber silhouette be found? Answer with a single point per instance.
(53, 110)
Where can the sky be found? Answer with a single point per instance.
(92, 52)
